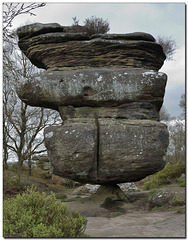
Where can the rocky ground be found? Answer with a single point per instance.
(138, 224)
(155, 213)
(159, 214)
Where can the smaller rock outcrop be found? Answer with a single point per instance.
(167, 197)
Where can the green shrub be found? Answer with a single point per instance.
(165, 176)
(178, 200)
(181, 181)
(34, 214)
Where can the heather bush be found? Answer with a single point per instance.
(33, 214)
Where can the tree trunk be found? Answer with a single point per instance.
(5, 156)
(5, 147)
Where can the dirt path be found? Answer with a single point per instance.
(138, 224)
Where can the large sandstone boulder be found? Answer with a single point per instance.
(132, 90)
(108, 151)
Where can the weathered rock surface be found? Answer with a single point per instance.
(138, 144)
(138, 110)
(108, 151)
(108, 92)
(97, 88)
(34, 29)
(160, 198)
(31, 30)
(128, 187)
(92, 188)
(52, 47)
(168, 197)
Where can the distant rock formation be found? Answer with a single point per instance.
(108, 92)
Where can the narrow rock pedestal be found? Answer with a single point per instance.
(107, 195)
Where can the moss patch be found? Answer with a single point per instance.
(167, 175)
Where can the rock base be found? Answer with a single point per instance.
(108, 194)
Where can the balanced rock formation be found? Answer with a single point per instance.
(108, 92)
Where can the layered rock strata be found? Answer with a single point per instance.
(108, 92)
(50, 46)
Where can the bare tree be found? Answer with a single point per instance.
(169, 46)
(11, 11)
(176, 148)
(25, 123)
(22, 124)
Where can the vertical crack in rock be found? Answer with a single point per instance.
(97, 145)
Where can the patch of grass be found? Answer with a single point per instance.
(181, 181)
(115, 214)
(15, 180)
(61, 195)
(13, 185)
(71, 199)
(158, 208)
(35, 215)
(45, 175)
(118, 213)
(178, 200)
(153, 191)
(169, 173)
(181, 209)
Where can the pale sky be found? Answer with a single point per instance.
(165, 19)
